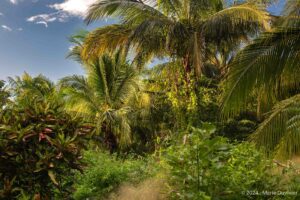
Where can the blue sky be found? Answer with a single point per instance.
(26, 44)
(34, 35)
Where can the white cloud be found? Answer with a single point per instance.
(1, 14)
(74, 7)
(48, 18)
(42, 17)
(64, 11)
(43, 23)
(20, 29)
(14, 1)
(6, 28)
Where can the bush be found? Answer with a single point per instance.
(39, 146)
(212, 168)
(105, 172)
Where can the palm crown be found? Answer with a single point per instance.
(105, 97)
(179, 29)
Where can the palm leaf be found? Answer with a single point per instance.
(234, 22)
(105, 40)
(272, 57)
(280, 131)
(130, 11)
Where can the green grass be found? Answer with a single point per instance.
(105, 172)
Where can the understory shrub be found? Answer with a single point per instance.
(40, 146)
(105, 172)
(206, 167)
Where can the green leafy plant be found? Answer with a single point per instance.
(206, 167)
(107, 97)
(105, 172)
(40, 146)
(268, 70)
(178, 29)
(4, 94)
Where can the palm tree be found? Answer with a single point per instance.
(76, 50)
(4, 95)
(105, 97)
(27, 91)
(33, 87)
(268, 69)
(180, 29)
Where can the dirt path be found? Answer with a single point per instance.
(150, 189)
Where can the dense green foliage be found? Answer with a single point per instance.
(207, 167)
(106, 98)
(3, 95)
(106, 172)
(268, 71)
(228, 73)
(201, 166)
(39, 144)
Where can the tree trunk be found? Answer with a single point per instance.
(187, 68)
(110, 140)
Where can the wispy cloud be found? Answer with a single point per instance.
(15, 2)
(7, 28)
(43, 23)
(20, 29)
(1, 14)
(64, 10)
(48, 18)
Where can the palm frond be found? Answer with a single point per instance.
(170, 7)
(130, 11)
(122, 126)
(104, 97)
(97, 78)
(272, 57)
(280, 131)
(33, 86)
(291, 15)
(77, 41)
(105, 40)
(127, 86)
(201, 9)
(78, 95)
(232, 22)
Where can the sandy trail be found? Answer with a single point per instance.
(150, 189)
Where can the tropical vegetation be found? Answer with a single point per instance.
(214, 116)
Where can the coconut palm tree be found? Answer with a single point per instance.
(105, 97)
(77, 41)
(26, 91)
(180, 29)
(28, 86)
(269, 69)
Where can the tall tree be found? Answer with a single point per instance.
(105, 97)
(179, 29)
